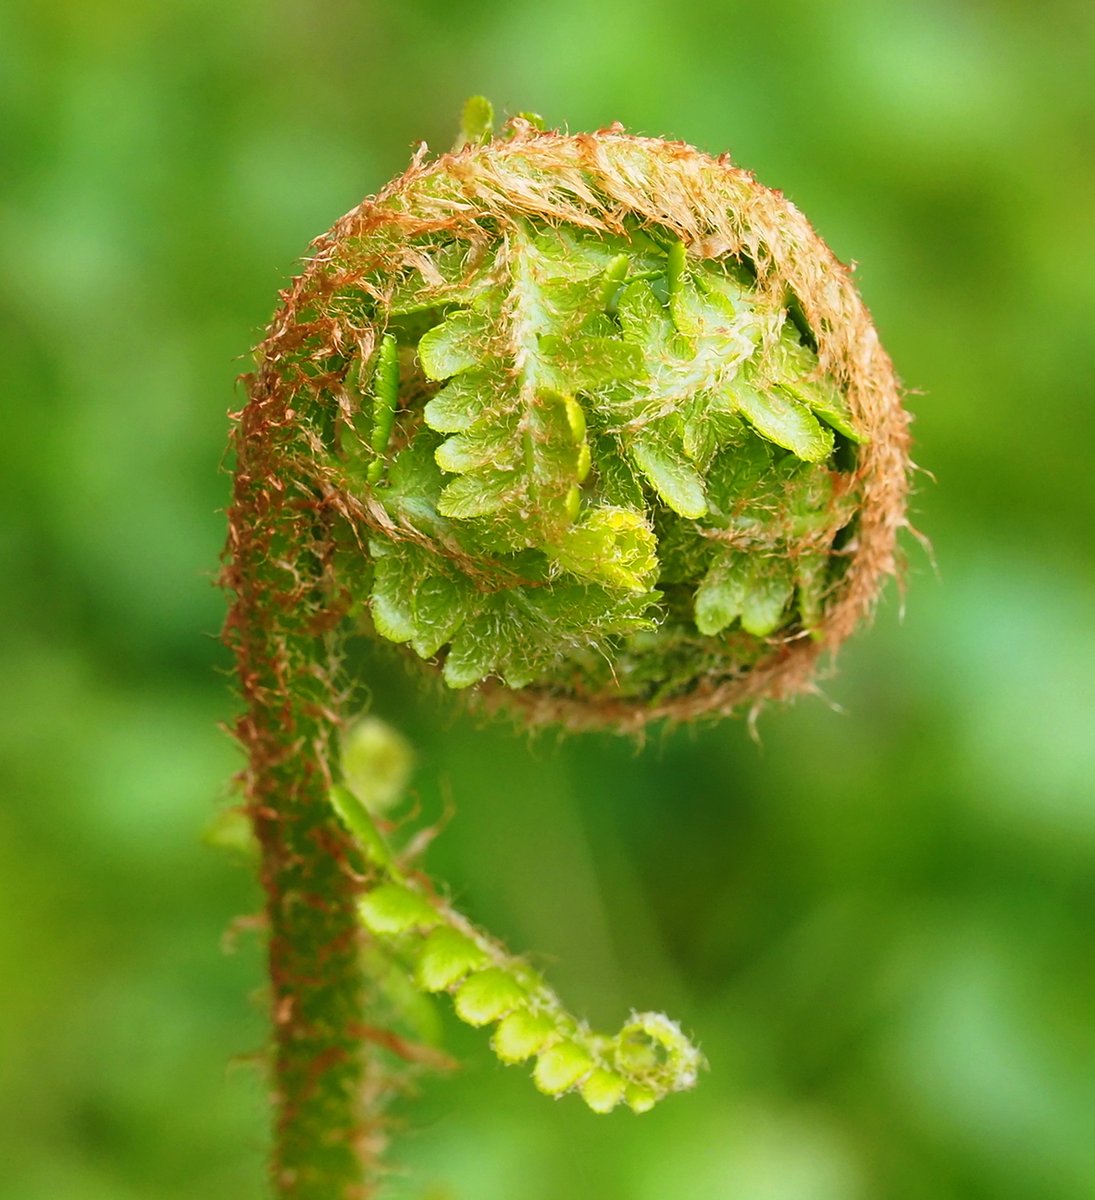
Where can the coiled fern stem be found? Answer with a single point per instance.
(598, 428)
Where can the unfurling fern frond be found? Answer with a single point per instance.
(599, 429)
(444, 952)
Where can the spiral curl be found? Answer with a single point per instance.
(609, 423)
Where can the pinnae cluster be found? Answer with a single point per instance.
(443, 952)
(611, 427)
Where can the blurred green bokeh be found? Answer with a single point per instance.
(878, 920)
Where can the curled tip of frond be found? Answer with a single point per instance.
(332, 348)
(648, 1059)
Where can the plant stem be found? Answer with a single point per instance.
(279, 627)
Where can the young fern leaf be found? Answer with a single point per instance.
(646, 1060)
(599, 428)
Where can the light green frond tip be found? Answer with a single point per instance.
(476, 123)
(648, 1059)
(654, 1052)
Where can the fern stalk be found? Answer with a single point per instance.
(279, 627)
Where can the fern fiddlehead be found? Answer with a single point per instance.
(597, 427)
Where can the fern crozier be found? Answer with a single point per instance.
(594, 426)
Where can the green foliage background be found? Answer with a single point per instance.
(878, 921)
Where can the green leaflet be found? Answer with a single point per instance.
(484, 445)
(826, 401)
(793, 369)
(547, 440)
(488, 995)
(588, 361)
(605, 430)
(617, 481)
(665, 426)
(454, 345)
(783, 420)
(524, 628)
(518, 447)
(772, 499)
(523, 635)
(561, 1067)
(416, 598)
(394, 908)
(522, 1034)
(750, 587)
(446, 957)
(469, 497)
(720, 597)
(770, 591)
(603, 1090)
(675, 480)
(441, 952)
(457, 405)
